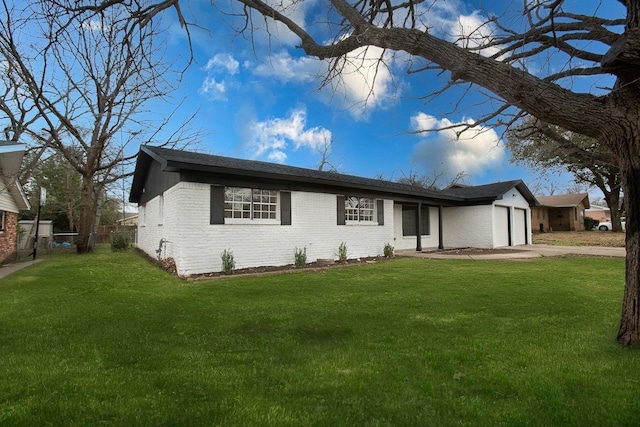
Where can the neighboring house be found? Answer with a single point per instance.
(191, 207)
(28, 228)
(600, 213)
(12, 198)
(564, 212)
(130, 219)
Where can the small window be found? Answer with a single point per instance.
(2, 221)
(250, 203)
(409, 221)
(359, 209)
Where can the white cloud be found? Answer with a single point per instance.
(266, 32)
(289, 69)
(271, 138)
(214, 89)
(91, 25)
(223, 62)
(474, 151)
(473, 31)
(364, 84)
(446, 19)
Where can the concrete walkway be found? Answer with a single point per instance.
(12, 268)
(519, 252)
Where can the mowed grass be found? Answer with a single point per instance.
(107, 339)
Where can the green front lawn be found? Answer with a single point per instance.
(107, 339)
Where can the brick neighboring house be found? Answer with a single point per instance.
(12, 198)
(600, 213)
(564, 212)
(193, 206)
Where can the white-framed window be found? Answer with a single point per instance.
(360, 209)
(250, 203)
(3, 216)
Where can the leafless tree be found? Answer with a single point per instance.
(496, 58)
(436, 181)
(326, 163)
(80, 84)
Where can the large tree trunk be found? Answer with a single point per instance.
(87, 215)
(627, 148)
(613, 201)
(629, 333)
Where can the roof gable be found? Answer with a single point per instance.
(493, 191)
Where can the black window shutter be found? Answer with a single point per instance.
(380, 209)
(285, 208)
(340, 210)
(216, 208)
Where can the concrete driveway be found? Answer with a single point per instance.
(518, 252)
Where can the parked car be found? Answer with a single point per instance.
(606, 225)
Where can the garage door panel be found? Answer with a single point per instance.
(519, 227)
(501, 226)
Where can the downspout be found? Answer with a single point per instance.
(440, 231)
(418, 228)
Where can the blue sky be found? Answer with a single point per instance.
(262, 99)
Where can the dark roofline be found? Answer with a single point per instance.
(185, 162)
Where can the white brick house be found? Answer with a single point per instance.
(194, 206)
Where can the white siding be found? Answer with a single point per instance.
(196, 245)
(6, 199)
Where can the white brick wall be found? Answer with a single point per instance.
(196, 245)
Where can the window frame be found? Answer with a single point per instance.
(360, 210)
(250, 207)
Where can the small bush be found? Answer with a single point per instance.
(228, 263)
(300, 257)
(590, 223)
(120, 241)
(342, 252)
(388, 250)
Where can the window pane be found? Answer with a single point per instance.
(408, 221)
(264, 203)
(237, 202)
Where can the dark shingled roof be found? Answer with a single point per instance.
(180, 161)
(494, 191)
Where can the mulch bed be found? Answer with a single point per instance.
(169, 265)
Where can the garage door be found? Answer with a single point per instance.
(501, 226)
(519, 227)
